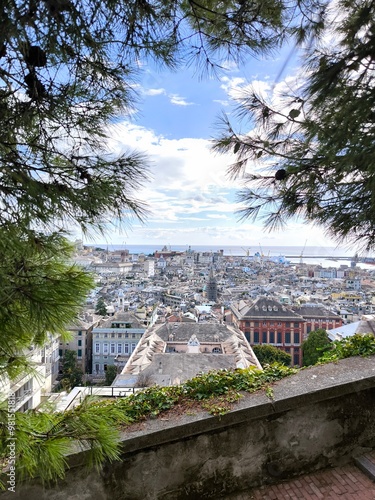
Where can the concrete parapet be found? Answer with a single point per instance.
(320, 417)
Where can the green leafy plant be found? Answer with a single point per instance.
(357, 345)
(271, 354)
(314, 346)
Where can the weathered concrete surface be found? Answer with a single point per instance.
(320, 417)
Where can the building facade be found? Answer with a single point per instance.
(81, 341)
(318, 317)
(27, 389)
(114, 341)
(267, 321)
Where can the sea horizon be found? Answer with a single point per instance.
(233, 250)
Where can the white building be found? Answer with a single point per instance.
(28, 388)
(149, 267)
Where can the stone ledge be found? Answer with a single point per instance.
(311, 385)
(319, 417)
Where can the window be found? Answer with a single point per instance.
(113, 348)
(119, 348)
(287, 337)
(97, 367)
(279, 338)
(79, 343)
(256, 337)
(133, 336)
(308, 329)
(79, 354)
(97, 348)
(105, 335)
(105, 348)
(256, 323)
(264, 337)
(119, 335)
(133, 347)
(296, 325)
(126, 335)
(79, 333)
(105, 367)
(60, 352)
(126, 348)
(272, 337)
(296, 338)
(247, 323)
(279, 323)
(287, 324)
(296, 359)
(264, 323)
(113, 335)
(216, 350)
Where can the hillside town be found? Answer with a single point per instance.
(165, 317)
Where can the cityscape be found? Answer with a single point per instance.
(265, 300)
(187, 250)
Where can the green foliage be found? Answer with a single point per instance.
(357, 345)
(45, 438)
(67, 70)
(100, 307)
(150, 401)
(267, 354)
(314, 346)
(217, 383)
(313, 144)
(110, 374)
(40, 293)
(71, 373)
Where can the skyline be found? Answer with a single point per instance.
(190, 197)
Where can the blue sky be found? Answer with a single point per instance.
(192, 201)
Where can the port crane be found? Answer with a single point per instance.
(301, 256)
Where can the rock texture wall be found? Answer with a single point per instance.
(321, 417)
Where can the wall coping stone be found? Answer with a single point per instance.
(308, 386)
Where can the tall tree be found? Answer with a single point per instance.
(41, 293)
(316, 344)
(71, 373)
(100, 307)
(309, 150)
(110, 374)
(67, 68)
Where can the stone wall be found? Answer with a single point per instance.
(321, 417)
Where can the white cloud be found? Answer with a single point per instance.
(152, 92)
(187, 165)
(222, 102)
(217, 216)
(178, 100)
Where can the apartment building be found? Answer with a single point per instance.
(28, 389)
(267, 321)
